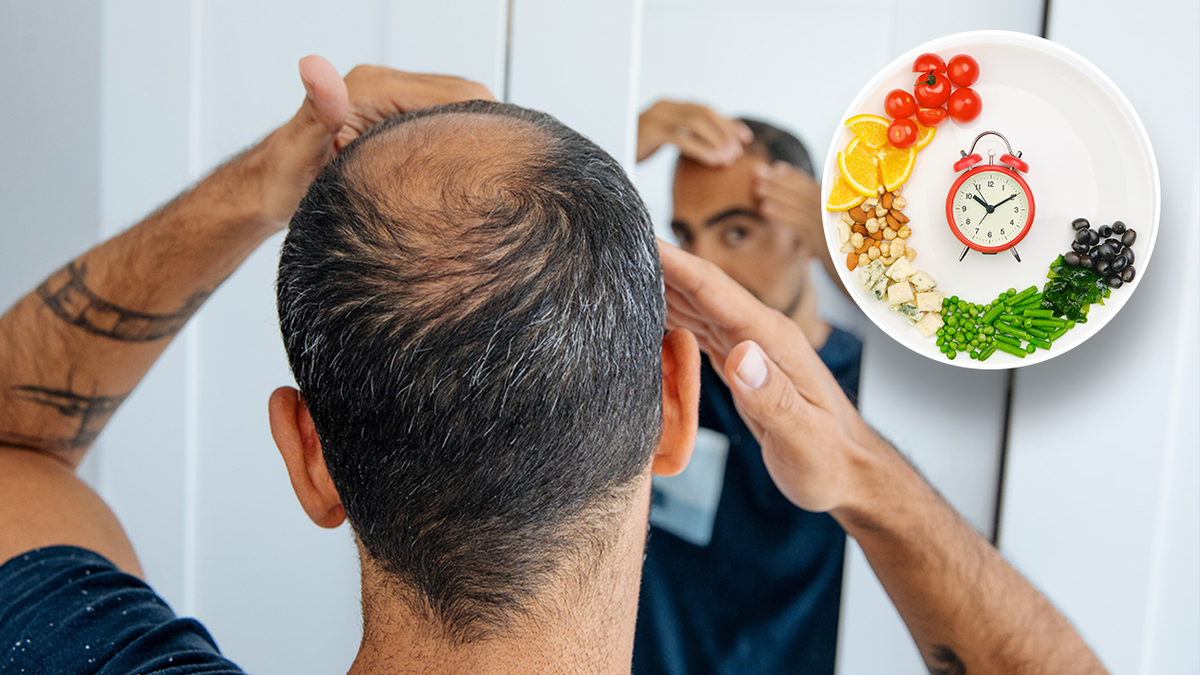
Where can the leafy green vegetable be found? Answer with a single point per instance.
(1071, 290)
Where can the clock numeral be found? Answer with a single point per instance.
(1002, 230)
(1011, 222)
(1016, 209)
(977, 230)
(968, 221)
(964, 208)
(991, 183)
(989, 235)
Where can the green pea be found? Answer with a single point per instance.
(954, 299)
(952, 320)
(1010, 292)
(951, 354)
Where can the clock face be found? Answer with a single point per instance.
(990, 209)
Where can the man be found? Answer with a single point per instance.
(757, 588)
(473, 309)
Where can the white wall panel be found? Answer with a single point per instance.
(467, 38)
(49, 157)
(1098, 511)
(578, 62)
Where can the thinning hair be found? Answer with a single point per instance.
(778, 144)
(471, 302)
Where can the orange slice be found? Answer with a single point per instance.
(925, 137)
(843, 197)
(872, 129)
(861, 172)
(896, 165)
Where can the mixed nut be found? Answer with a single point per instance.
(877, 229)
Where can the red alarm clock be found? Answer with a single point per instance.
(990, 207)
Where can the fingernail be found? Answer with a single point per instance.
(753, 369)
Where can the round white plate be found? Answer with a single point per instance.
(1088, 154)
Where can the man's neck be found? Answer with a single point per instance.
(586, 624)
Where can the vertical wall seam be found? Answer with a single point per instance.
(508, 53)
(191, 395)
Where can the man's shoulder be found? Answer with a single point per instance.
(66, 610)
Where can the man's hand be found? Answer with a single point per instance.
(700, 133)
(809, 431)
(337, 111)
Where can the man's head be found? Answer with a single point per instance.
(472, 305)
(718, 216)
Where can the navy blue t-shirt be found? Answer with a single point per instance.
(760, 592)
(69, 611)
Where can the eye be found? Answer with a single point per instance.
(683, 236)
(735, 235)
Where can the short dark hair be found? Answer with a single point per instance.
(778, 144)
(482, 364)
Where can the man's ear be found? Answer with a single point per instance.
(296, 437)
(681, 402)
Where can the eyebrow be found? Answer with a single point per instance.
(729, 213)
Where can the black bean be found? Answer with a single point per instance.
(1093, 237)
(1114, 281)
(1082, 237)
(1071, 259)
(1119, 263)
(1079, 248)
(1107, 251)
(1105, 231)
(1128, 253)
(1129, 273)
(1129, 237)
(1080, 224)
(1103, 266)
(1086, 261)
(1118, 227)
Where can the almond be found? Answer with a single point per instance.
(859, 229)
(886, 200)
(877, 235)
(851, 261)
(858, 215)
(892, 222)
(899, 216)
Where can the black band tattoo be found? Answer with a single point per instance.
(67, 295)
(945, 662)
(92, 413)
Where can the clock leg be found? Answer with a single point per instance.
(964, 253)
(1015, 254)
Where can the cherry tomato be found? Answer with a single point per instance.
(931, 116)
(932, 90)
(899, 104)
(903, 133)
(962, 70)
(964, 105)
(929, 62)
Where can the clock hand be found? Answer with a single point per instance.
(981, 201)
(1009, 197)
(985, 204)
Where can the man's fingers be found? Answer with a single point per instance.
(325, 93)
(764, 393)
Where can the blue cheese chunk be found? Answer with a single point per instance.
(870, 274)
(929, 301)
(880, 288)
(901, 270)
(930, 323)
(900, 293)
(909, 311)
(923, 282)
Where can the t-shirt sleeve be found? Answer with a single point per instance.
(70, 611)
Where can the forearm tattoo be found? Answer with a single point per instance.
(89, 414)
(945, 662)
(67, 295)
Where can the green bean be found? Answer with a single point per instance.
(1058, 333)
(1008, 340)
(1038, 333)
(1010, 318)
(1039, 313)
(1050, 323)
(992, 313)
(987, 351)
(1044, 344)
(1019, 298)
(1015, 351)
(1012, 330)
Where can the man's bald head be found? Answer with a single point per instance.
(471, 301)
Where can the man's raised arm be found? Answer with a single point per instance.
(967, 609)
(72, 350)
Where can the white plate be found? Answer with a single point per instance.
(1088, 156)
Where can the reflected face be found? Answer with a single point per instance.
(716, 217)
